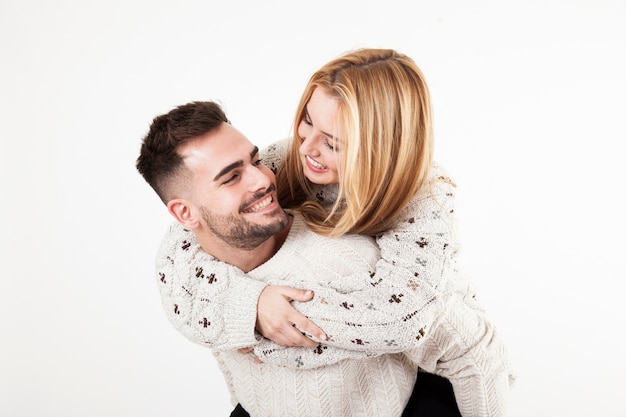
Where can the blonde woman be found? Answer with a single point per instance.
(360, 162)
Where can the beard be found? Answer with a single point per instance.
(238, 233)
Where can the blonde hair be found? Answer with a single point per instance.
(384, 112)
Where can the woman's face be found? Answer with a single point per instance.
(319, 148)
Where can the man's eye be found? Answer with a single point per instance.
(231, 179)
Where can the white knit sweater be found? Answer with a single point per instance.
(384, 316)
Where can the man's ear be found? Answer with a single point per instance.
(182, 212)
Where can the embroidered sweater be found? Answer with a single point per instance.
(411, 305)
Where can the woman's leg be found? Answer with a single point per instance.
(432, 397)
(239, 412)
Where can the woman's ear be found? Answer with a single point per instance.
(182, 212)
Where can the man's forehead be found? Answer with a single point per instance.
(217, 149)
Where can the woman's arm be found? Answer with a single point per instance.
(404, 297)
(209, 302)
(215, 304)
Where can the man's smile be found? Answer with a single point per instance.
(260, 205)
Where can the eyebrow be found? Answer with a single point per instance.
(308, 116)
(236, 164)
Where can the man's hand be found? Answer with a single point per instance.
(245, 351)
(277, 319)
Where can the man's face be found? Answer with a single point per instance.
(232, 192)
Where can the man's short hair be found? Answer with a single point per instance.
(159, 162)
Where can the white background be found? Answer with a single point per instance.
(530, 106)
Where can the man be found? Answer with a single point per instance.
(213, 183)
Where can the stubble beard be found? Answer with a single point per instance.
(241, 234)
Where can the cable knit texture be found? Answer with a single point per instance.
(388, 305)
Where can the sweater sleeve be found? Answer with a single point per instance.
(210, 302)
(403, 298)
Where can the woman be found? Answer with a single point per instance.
(361, 162)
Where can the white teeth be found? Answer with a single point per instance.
(315, 163)
(261, 205)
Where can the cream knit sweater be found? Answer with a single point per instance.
(385, 316)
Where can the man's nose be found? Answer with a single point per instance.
(258, 178)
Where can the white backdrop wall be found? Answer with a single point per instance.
(529, 101)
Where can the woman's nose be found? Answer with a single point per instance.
(308, 146)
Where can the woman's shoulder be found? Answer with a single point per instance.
(273, 155)
(437, 193)
(439, 180)
(438, 172)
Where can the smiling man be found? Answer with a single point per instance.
(213, 183)
(231, 209)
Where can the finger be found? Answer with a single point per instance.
(245, 350)
(296, 294)
(290, 336)
(307, 326)
(298, 338)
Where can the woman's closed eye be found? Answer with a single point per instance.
(330, 144)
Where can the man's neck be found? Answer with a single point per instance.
(244, 259)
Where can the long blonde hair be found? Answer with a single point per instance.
(384, 112)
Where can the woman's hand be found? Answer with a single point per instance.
(280, 322)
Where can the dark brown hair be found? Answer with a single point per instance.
(158, 162)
